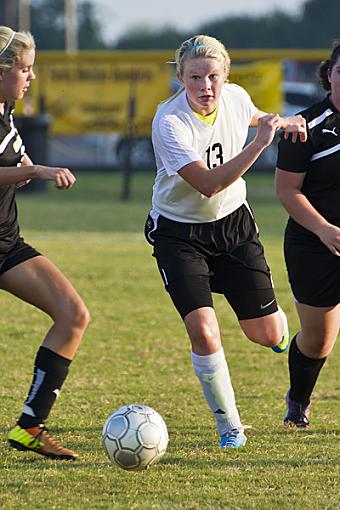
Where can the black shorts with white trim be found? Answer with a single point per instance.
(223, 256)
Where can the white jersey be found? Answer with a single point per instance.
(180, 137)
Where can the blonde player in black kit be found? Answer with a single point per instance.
(24, 272)
(308, 185)
(201, 227)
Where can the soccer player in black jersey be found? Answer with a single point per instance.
(24, 272)
(308, 185)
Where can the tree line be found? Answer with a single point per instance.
(316, 27)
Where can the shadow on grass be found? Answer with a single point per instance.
(249, 462)
(308, 433)
(185, 453)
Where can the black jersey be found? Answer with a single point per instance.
(319, 157)
(11, 153)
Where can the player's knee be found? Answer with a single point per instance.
(319, 346)
(322, 352)
(76, 315)
(81, 316)
(204, 338)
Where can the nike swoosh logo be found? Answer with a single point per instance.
(268, 304)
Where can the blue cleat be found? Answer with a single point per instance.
(233, 439)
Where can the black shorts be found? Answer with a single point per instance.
(313, 271)
(20, 252)
(224, 256)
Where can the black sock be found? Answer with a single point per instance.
(303, 372)
(50, 371)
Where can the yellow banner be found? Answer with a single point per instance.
(263, 81)
(103, 92)
(99, 92)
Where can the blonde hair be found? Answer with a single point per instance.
(13, 45)
(200, 46)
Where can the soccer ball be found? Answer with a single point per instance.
(134, 437)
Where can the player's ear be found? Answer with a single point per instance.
(329, 75)
(179, 77)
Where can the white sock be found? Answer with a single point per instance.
(284, 322)
(212, 371)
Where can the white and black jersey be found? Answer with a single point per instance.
(319, 158)
(180, 137)
(11, 153)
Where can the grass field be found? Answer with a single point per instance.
(136, 351)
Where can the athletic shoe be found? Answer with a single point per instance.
(284, 343)
(233, 439)
(297, 414)
(38, 440)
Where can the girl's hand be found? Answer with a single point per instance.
(296, 126)
(267, 126)
(330, 236)
(63, 177)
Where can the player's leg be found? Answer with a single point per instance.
(38, 282)
(307, 355)
(211, 368)
(185, 274)
(192, 298)
(241, 273)
(314, 276)
(270, 330)
(251, 294)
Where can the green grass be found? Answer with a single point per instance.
(136, 350)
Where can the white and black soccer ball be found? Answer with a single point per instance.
(134, 437)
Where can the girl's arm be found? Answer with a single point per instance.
(295, 124)
(62, 177)
(209, 182)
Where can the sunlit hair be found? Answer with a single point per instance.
(327, 65)
(200, 46)
(13, 45)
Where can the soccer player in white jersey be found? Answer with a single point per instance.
(201, 227)
(24, 272)
(308, 185)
